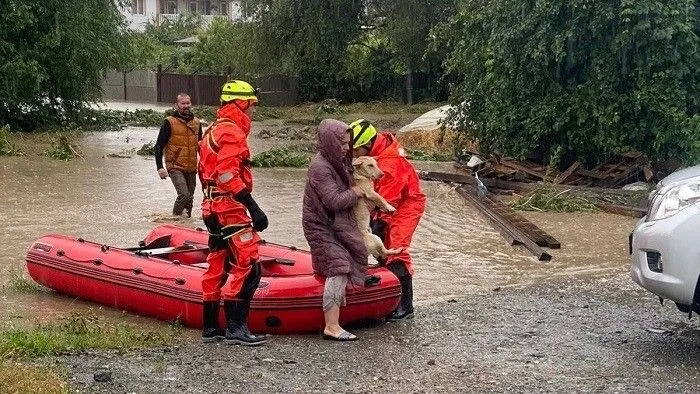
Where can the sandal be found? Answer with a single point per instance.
(343, 337)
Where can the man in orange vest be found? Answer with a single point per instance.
(179, 140)
(232, 217)
(401, 188)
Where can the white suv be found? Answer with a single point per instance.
(665, 245)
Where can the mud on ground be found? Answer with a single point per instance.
(605, 335)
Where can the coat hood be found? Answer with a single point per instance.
(232, 112)
(329, 141)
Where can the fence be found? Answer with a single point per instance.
(151, 86)
(203, 89)
(137, 86)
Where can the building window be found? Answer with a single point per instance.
(168, 7)
(205, 7)
(193, 7)
(137, 7)
(245, 9)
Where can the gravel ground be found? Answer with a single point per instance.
(601, 335)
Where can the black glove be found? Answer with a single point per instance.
(259, 218)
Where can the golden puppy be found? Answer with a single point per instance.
(365, 172)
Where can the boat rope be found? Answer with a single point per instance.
(135, 270)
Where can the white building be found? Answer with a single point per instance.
(141, 12)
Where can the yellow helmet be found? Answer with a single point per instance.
(238, 90)
(362, 132)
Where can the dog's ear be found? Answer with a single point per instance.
(356, 161)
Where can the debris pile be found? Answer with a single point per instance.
(621, 170)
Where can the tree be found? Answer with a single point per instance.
(227, 45)
(588, 78)
(368, 73)
(156, 45)
(52, 54)
(309, 38)
(170, 30)
(407, 25)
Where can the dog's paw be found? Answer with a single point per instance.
(389, 208)
(394, 251)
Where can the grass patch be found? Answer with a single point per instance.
(109, 119)
(204, 112)
(78, 332)
(148, 149)
(19, 283)
(297, 156)
(144, 118)
(312, 113)
(20, 378)
(547, 199)
(7, 148)
(61, 149)
(289, 133)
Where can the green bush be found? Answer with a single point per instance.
(61, 149)
(7, 148)
(547, 199)
(595, 78)
(296, 156)
(106, 119)
(148, 149)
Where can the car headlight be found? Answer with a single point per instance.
(675, 199)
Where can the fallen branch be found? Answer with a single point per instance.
(74, 151)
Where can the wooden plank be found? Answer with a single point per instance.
(564, 175)
(509, 235)
(509, 185)
(591, 174)
(503, 169)
(612, 168)
(622, 210)
(522, 168)
(625, 176)
(539, 236)
(447, 177)
(512, 234)
(648, 173)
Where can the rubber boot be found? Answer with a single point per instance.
(211, 331)
(246, 330)
(405, 308)
(237, 332)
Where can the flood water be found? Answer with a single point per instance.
(117, 201)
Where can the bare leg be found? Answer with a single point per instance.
(333, 298)
(331, 316)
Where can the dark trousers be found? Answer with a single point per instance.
(185, 183)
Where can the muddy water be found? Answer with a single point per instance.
(118, 200)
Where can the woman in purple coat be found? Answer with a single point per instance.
(337, 249)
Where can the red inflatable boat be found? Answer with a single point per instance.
(162, 278)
